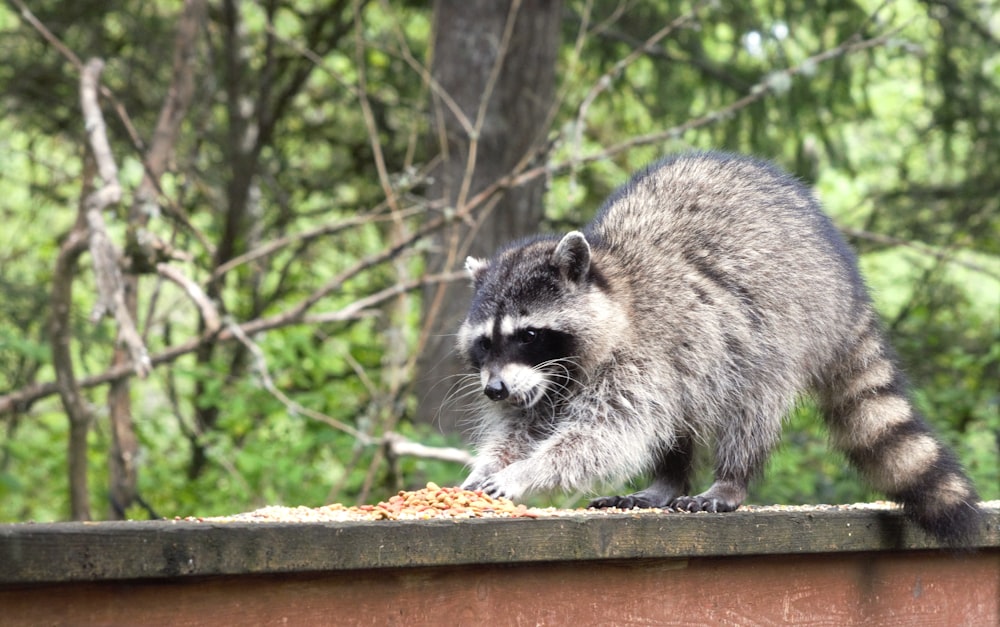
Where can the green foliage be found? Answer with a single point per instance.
(900, 139)
(805, 469)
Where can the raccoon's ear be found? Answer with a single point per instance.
(572, 257)
(474, 267)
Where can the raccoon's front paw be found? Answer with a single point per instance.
(473, 482)
(508, 483)
(480, 473)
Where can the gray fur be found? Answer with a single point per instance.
(709, 293)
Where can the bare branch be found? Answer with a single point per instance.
(273, 246)
(23, 398)
(758, 92)
(428, 79)
(260, 364)
(110, 288)
(396, 444)
(942, 255)
(178, 98)
(209, 313)
(359, 307)
(400, 446)
(105, 258)
(47, 35)
(97, 135)
(70, 56)
(522, 175)
(60, 335)
(605, 81)
(484, 102)
(368, 115)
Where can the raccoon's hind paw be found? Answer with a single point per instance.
(703, 504)
(725, 495)
(628, 501)
(604, 502)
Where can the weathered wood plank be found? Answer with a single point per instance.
(883, 588)
(65, 552)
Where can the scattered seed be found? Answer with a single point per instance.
(433, 501)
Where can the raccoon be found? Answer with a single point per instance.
(709, 294)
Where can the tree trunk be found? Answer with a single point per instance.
(61, 335)
(496, 61)
(123, 472)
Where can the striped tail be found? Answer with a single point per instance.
(872, 420)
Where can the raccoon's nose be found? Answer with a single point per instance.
(496, 390)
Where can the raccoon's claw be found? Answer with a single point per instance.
(701, 504)
(603, 502)
(492, 489)
(468, 484)
(489, 488)
(511, 483)
(628, 501)
(479, 476)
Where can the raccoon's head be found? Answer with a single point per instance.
(540, 317)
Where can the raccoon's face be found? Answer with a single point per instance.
(521, 364)
(527, 329)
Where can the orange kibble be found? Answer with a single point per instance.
(435, 501)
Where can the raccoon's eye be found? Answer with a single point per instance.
(484, 344)
(527, 336)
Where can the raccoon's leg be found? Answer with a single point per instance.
(671, 477)
(871, 419)
(741, 449)
(583, 447)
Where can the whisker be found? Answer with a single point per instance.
(465, 387)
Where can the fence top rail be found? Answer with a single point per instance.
(32, 553)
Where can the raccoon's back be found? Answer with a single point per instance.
(736, 209)
(736, 231)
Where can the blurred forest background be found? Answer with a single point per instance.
(231, 231)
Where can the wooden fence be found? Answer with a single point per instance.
(828, 566)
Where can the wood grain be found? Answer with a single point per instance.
(823, 567)
(61, 552)
(48, 553)
(912, 588)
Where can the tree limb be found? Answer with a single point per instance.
(605, 81)
(22, 399)
(60, 335)
(880, 238)
(105, 257)
(770, 84)
(399, 446)
(209, 313)
(396, 445)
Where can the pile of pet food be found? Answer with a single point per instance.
(432, 501)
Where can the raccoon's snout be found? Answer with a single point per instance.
(496, 389)
(519, 385)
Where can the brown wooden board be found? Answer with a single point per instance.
(64, 552)
(882, 588)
